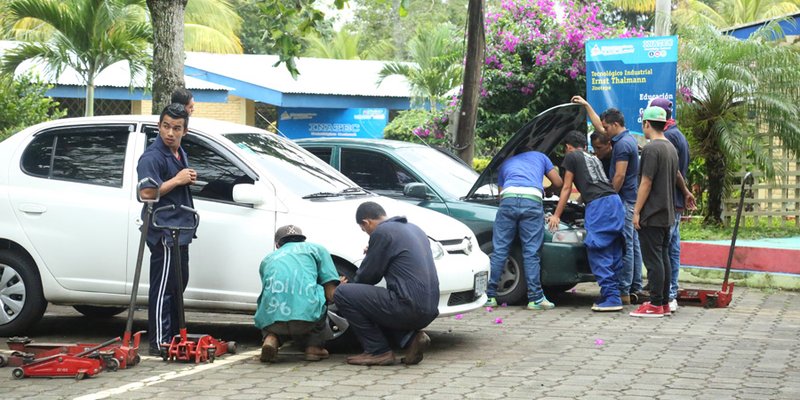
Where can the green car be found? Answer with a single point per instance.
(437, 180)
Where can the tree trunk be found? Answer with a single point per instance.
(662, 25)
(715, 171)
(167, 17)
(465, 134)
(89, 107)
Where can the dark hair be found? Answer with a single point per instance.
(576, 139)
(175, 111)
(290, 239)
(613, 115)
(369, 210)
(599, 137)
(658, 125)
(181, 96)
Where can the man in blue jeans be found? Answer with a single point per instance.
(623, 173)
(520, 183)
(682, 146)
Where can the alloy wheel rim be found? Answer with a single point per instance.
(12, 294)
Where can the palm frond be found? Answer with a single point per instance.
(208, 39)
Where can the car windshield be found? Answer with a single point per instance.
(450, 176)
(294, 167)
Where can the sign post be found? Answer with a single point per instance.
(298, 123)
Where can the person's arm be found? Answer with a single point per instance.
(373, 267)
(185, 177)
(598, 125)
(619, 175)
(330, 289)
(566, 190)
(641, 198)
(687, 194)
(555, 179)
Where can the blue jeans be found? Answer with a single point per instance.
(526, 217)
(675, 255)
(631, 274)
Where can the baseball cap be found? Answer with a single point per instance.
(654, 113)
(288, 231)
(661, 102)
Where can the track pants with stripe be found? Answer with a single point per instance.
(162, 301)
(605, 220)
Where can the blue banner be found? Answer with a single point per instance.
(298, 123)
(627, 73)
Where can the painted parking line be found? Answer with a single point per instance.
(155, 380)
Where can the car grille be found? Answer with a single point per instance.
(459, 298)
(457, 246)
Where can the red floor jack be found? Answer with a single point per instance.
(185, 347)
(710, 298)
(54, 360)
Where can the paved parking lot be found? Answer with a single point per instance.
(750, 350)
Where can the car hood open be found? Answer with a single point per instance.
(543, 133)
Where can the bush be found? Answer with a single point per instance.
(480, 163)
(23, 103)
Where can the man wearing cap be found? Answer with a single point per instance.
(682, 146)
(654, 211)
(297, 279)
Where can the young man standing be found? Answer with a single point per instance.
(400, 253)
(520, 184)
(623, 174)
(605, 218)
(602, 150)
(682, 146)
(166, 163)
(296, 280)
(654, 211)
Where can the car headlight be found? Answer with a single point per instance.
(569, 236)
(436, 249)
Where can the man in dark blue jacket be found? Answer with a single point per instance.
(400, 253)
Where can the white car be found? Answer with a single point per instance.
(69, 218)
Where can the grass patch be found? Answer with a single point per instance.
(748, 229)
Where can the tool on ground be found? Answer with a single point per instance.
(186, 347)
(53, 361)
(710, 298)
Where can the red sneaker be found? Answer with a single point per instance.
(665, 310)
(648, 310)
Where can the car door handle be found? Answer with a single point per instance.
(31, 208)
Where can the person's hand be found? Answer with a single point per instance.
(691, 203)
(342, 279)
(186, 176)
(365, 249)
(579, 100)
(553, 223)
(636, 221)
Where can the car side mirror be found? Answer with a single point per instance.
(248, 193)
(416, 190)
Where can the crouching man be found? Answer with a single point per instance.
(297, 278)
(400, 253)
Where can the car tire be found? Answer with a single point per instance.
(347, 341)
(99, 312)
(511, 289)
(19, 283)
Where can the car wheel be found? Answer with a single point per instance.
(511, 287)
(22, 302)
(99, 312)
(345, 341)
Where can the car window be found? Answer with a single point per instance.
(453, 178)
(323, 153)
(216, 175)
(374, 171)
(90, 154)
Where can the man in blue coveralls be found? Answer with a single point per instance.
(520, 184)
(605, 217)
(166, 163)
(399, 252)
(624, 175)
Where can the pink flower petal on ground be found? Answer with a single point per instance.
(489, 309)
(573, 290)
(498, 321)
(459, 316)
(599, 342)
(504, 305)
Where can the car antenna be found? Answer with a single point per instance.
(271, 124)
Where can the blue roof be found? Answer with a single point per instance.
(790, 26)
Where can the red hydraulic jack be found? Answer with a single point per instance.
(185, 347)
(54, 360)
(710, 298)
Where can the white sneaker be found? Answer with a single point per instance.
(673, 305)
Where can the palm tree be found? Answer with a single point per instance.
(345, 45)
(742, 96)
(212, 26)
(728, 13)
(86, 35)
(437, 64)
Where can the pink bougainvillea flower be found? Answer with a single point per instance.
(489, 309)
(498, 320)
(504, 305)
(573, 290)
(459, 316)
(599, 342)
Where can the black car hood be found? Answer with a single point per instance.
(544, 133)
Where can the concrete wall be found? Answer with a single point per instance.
(238, 110)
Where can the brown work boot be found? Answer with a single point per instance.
(640, 297)
(269, 349)
(626, 299)
(419, 343)
(314, 353)
(370, 359)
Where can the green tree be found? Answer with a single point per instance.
(86, 35)
(23, 103)
(728, 13)
(437, 66)
(344, 45)
(739, 96)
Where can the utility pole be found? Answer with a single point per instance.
(465, 134)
